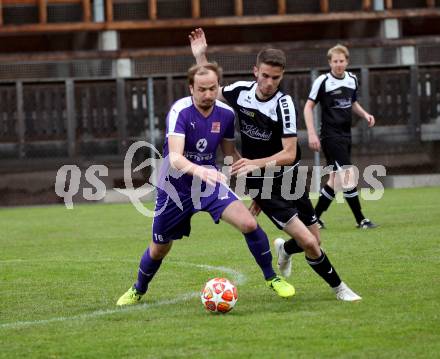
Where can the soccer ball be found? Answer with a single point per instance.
(219, 295)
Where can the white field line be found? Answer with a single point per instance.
(237, 278)
(99, 313)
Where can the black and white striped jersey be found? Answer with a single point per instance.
(262, 123)
(336, 97)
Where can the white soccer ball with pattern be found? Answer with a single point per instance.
(219, 295)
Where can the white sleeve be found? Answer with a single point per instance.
(288, 115)
(175, 124)
(176, 121)
(315, 87)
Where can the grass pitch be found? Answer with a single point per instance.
(61, 272)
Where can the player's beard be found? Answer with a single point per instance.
(206, 105)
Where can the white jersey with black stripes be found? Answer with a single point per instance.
(336, 97)
(263, 123)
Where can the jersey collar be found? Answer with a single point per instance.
(266, 100)
(338, 78)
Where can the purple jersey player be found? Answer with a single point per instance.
(201, 135)
(196, 126)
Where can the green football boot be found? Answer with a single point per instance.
(130, 297)
(281, 287)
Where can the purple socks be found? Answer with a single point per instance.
(147, 269)
(259, 246)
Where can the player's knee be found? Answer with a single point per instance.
(348, 184)
(249, 224)
(347, 180)
(159, 251)
(310, 244)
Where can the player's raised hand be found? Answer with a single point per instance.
(198, 42)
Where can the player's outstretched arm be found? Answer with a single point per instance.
(199, 45)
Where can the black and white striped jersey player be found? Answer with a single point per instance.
(264, 123)
(268, 128)
(336, 92)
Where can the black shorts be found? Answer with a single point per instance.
(281, 210)
(337, 151)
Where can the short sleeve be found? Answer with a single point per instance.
(228, 120)
(232, 92)
(176, 123)
(356, 86)
(314, 92)
(287, 112)
(230, 129)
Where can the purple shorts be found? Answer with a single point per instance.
(173, 220)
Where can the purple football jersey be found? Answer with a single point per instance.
(202, 137)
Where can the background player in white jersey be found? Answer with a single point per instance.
(267, 119)
(190, 182)
(336, 92)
